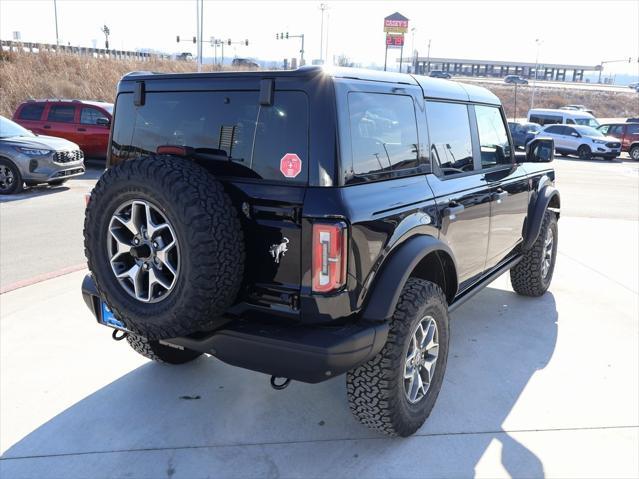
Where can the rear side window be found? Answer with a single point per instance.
(633, 129)
(89, 116)
(545, 119)
(493, 139)
(223, 127)
(31, 112)
(61, 113)
(383, 132)
(451, 146)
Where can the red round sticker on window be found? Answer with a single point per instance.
(290, 165)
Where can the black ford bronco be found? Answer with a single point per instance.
(310, 223)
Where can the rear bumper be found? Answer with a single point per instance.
(300, 352)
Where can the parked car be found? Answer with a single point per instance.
(86, 123)
(577, 108)
(522, 133)
(34, 159)
(633, 86)
(627, 133)
(584, 141)
(439, 74)
(515, 79)
(549, 116)
(300, 225)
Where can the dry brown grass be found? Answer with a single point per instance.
(50, 75)
(605, 104)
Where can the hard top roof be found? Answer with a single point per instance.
(432, 87)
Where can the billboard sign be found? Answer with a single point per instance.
(396, 23)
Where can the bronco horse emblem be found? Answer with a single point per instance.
(279, 250)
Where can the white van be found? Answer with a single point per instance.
(548, 116)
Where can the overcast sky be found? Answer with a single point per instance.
(573, 31)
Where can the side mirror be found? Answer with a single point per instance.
(102, 121)
(540, 150)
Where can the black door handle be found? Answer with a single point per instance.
(82, 129)
(46, 127)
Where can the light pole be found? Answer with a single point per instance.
(532, 97)
(106, 32)
(412, 47)
(55, 14)
(428, 57)
(322, 7)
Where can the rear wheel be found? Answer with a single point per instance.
(634, 152)
(159, 352)
(395, 391)
(10, 178)
(584, 152)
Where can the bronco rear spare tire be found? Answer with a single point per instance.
(165, 246)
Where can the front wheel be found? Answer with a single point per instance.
(584, 152)
(395, 391)
(10, 178)
(533, 274)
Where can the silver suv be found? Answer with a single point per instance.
(33, 159)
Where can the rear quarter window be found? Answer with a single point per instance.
(31, 112)
(383, 133)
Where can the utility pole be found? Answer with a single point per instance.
(328, 24)
(428, 57)
(532, 98)
(601, 65)
(515, 117)
(55, 14)
(106, 32)
(322, 7)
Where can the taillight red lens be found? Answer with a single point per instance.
(329, 256)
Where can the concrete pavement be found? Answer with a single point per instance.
(534, 387)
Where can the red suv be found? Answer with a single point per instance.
(628, 133)
(86, 123)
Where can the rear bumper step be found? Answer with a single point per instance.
(303, 353)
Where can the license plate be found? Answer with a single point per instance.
(109, 319)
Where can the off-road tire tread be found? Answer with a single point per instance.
(160, 353)
(205, 207)
(525, 276)
(372, 387)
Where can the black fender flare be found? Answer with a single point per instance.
(536, 214)
(395, 271)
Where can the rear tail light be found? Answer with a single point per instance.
(329, 256)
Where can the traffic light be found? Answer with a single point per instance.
(178, 39)
(194, 40)
(229, 41)
(281, 36)
(277, 36)
(246, 42)
(287, 35)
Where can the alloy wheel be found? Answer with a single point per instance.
(143, 251)
(7, 178)
(547, 259)
(421, 359)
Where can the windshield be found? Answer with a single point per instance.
(587, 122)
(108, 108)
(588, 131)
(9, 129)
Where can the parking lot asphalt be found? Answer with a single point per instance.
(534, 387)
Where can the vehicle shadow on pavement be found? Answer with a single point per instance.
(32, 192)
(206, 416)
